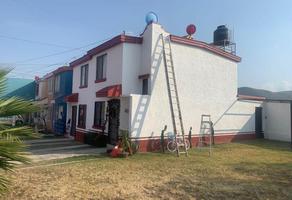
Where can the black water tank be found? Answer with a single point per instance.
(221, 36)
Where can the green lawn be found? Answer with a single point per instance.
(256, 169)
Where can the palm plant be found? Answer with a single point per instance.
(12, 149)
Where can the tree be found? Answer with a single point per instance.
(12, 149)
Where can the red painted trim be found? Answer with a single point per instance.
(107, 45)
(100, 80)
(153, 144)
(81, 60)
(205, 46)
(73, 98)
(110, 91)
(62, 69)
(144, 76)
(58, 71)
(84, 86)
(247, 97)
(79, 136)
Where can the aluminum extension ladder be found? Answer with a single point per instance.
(177, 122)
(206, 129)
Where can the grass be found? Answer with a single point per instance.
(257, 169)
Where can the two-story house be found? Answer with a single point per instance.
(51, 91)
(121, 85)
(59, 86)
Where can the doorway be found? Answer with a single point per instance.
(113, 121)
(73, 120)
(259, 122)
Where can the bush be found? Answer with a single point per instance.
(127, 144)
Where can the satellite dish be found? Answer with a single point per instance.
(151, 17)
(191, 29)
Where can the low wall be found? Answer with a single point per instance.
(277, 120)
(154, 143)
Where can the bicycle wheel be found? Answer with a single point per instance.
(171, 146)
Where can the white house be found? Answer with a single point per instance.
(122, 84)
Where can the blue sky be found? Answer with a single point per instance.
(38, 36)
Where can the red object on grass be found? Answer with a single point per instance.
(116, 152)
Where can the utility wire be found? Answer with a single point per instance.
(62, 52)
(32, 41)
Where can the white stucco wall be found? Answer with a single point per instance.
(131, 69)
(207, 84)
(124, 113)
(113, 76)
(277, 121)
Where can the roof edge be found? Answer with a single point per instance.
(205, 46)
(247, 97)
(106, 45)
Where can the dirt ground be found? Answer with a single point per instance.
(256, 169)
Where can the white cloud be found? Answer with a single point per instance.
(283, 85)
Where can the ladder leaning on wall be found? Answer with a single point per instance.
(206, 130)
(175, 109)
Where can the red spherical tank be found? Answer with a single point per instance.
(191, 29)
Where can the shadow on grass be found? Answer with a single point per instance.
(276, 173)
(213, 188)
(268, 144)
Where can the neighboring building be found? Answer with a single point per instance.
(43, 118)
(14, 84)
(61, 87)
(121, 85)
(26, 92)
(277, 120)
(50, 96)
(23, 89)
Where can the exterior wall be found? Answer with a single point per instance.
(207, 84)
(43, 89)
(124, 113)
(65, 85)
(87, 95)
(277, 121)
(131, 69)
(59, 120)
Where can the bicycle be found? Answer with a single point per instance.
(171, 145)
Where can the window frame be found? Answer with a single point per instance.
(84, 84)
(84, 107)
(57, 84)
(101, 114)
(50, 85)
(145, 86)
(37, 89)
(102, 77)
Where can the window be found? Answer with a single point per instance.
(57, 83)
(99, 114)
(50, 84)
(37, 85)
(145, 86)
(84, 76)
(101, 67)
(60, 113)
(82, 116)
